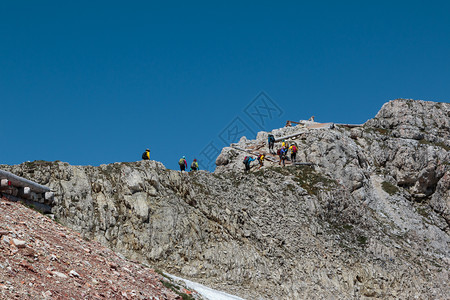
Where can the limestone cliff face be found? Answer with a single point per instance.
(370, 218)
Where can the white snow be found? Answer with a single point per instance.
(205, 291)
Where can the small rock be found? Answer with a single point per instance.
(113, 266)
(59, 274)
(19, 243)
(419, 195)
(74, 274)
(356, 133)
(46, 294)
(87, 263)
(29, 252)
(27, 266)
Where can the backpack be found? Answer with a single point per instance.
(294, 149)
(144, 155)
(181, 162)
(194, 165)
(278, 151)
(271, 138)
(245, 160)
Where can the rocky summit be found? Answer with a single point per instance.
(363, 212)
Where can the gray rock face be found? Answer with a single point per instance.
(370, 218)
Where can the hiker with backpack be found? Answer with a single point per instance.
(194, 165)
(261, 160)
(293, 149)
(271, 141)
(279, 155)
(183, 164)
(283, 156)
(146, 154)
(247, 161)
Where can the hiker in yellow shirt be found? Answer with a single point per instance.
(146, 154)
(261, 160)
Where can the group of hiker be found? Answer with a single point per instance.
(281, 152)
(182, 162)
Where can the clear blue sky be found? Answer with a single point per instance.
(95, 82)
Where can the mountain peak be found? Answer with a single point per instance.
(363, 211)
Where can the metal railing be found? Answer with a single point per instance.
(16, 187)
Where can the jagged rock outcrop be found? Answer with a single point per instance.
(370, 218)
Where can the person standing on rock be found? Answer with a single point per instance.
(194, 165)
(247, 161)
(183, 164)
(146, 154)
(271, 141)
(293, 149)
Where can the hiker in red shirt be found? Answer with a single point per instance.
(293, 149)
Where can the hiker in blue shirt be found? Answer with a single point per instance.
(283, 155)
(247, 161)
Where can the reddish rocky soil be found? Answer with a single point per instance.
(41, 259)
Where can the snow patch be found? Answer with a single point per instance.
(205, 291)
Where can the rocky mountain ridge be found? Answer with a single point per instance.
(369, 218)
